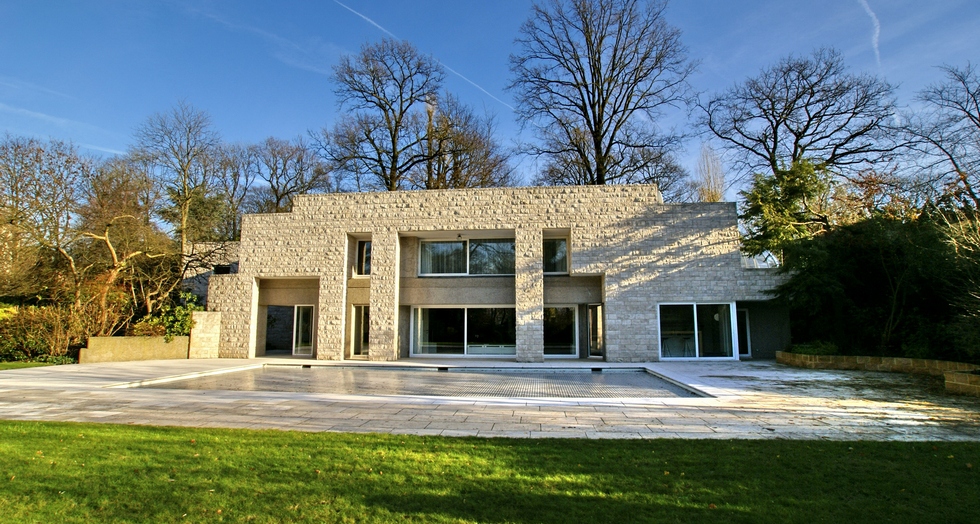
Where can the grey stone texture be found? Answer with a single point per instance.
(640, 251)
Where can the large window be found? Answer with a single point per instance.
(465, 331)
(492, 257)
(559, 331)
(467, 257)
(696, 331)
(555, 255)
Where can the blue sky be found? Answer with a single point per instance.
(91, 71)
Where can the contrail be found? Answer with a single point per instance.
(366, 19)
(874, 38)
(443, 64)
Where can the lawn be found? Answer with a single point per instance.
(21, 364)
(64, 472)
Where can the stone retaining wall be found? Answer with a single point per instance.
(123, 349)
(917, 366)
(963, 383)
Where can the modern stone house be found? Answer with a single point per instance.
(527, 274)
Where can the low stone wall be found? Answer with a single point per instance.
(205, 335)
(963, 383)
(122, 349)
(957, 375)
(917, 366)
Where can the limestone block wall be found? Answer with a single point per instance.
(644, 251)
(205, 335)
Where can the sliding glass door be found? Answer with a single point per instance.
(484, 331)
(691, 331)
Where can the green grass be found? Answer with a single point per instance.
(22, 364)
(63, 472)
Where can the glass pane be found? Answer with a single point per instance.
(443, 257)
(677, 331)
(715, 330)
(364, 257)
(303, 334)
(362, 328)
(491, 331)
(492, 257)
(555, 255)
(559, 331)
(440, 331)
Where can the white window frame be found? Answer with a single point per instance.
(466, 249)
(312, 329)
(697, 343)
(568, 255)
(576, 333)
(357, 257)
(466, 325)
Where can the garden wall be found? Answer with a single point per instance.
(919, 366)
(122, 349)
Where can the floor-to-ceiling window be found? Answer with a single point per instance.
(560, 335)
(465, 331)
(697, 331)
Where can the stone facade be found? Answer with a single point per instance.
(624, 244)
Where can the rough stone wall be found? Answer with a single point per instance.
(648, 253)
(231, 295)
(205, 341)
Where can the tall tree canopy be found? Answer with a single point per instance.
(804, 108)
(593, 77)
(385, 87)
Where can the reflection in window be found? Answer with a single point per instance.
(712, 338)
(362, 329)
(492, 257)
(491, 331)
(559, 331)
(555, 255)
(440, 331)
(363, 257)
(443, 257)
(470, 331)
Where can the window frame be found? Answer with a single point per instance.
(360, 258)
(466, 250)
(697, 343)
(416, 319)
(568, 255)
(575, 330)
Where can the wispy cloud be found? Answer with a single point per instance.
(15, 83)
(314, 56)
(58, 121)
(877, 31)
(451, 70)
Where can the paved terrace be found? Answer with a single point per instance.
(753, 400)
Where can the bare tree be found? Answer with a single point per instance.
(238, 168)
(288, 168)
(181, 145)
(804, 108)
(946, 136)
(594, 76)
(460, 149)
(385, 86)
(709, 185)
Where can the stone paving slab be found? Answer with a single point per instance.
(749, 400)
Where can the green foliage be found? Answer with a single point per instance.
(881, 286)
(36, 333)
(818, 347)
(173, 320)
(784, 207)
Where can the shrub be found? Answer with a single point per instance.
(815, 348)
(36, 332)
(173, 320)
